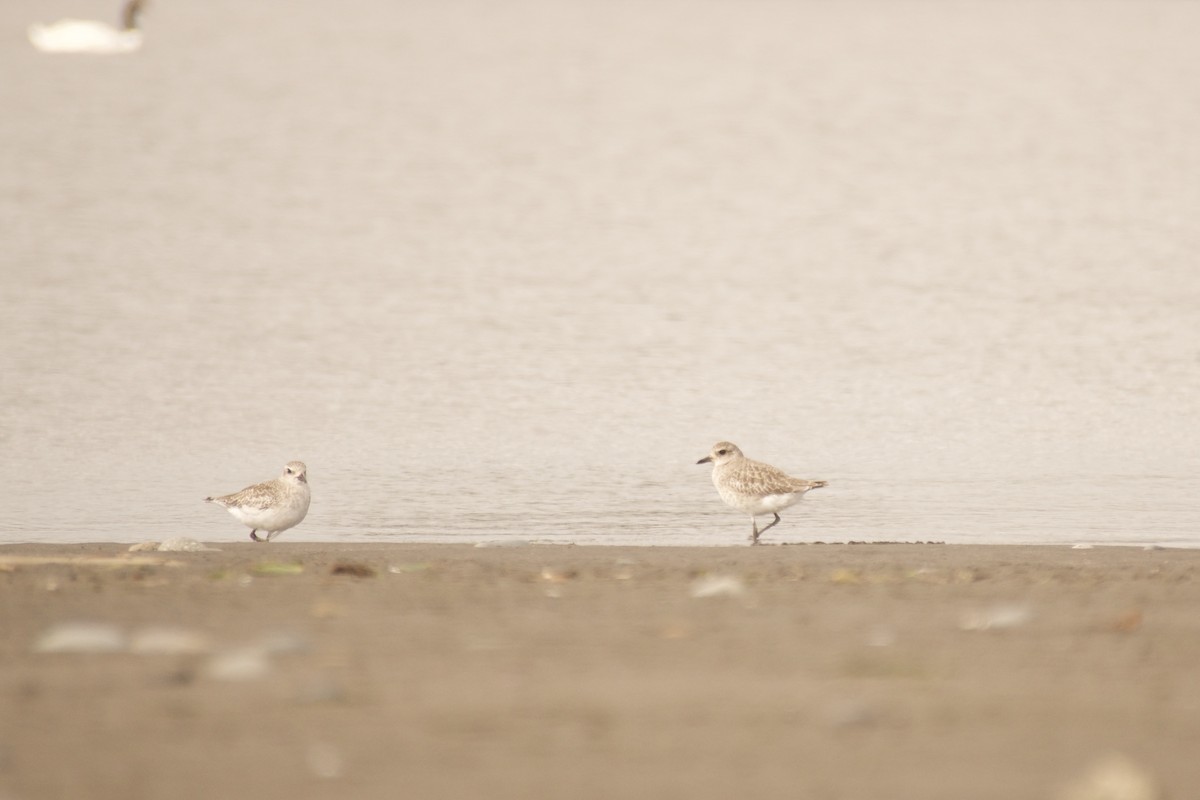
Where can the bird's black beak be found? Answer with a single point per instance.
(705, 460)
(304, 479)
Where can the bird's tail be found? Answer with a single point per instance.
(819, 484)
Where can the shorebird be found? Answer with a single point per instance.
(271, 506)
(752, 487)
(89, 36)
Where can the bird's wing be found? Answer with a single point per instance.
(754, 477)
(260, 495)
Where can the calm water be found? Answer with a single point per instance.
(505, 271)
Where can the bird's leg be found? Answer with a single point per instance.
(770, 525)
(754, 536)
(254, 535)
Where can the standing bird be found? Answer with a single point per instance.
(271, 506)
(752, 487)
(89, 36)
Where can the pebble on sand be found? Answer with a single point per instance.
(177, 544)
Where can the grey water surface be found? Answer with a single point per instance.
(503, 271)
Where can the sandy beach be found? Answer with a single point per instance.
(822, 671)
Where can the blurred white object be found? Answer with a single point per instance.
(89, 36)
(81, 637)
(1113, 778)
(718, 586)
(996, 618)
(325, 760)
(253, 661)
(241, 664)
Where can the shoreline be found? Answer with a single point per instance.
(451, 670)
(511, 542)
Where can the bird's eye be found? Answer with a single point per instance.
(720, 452)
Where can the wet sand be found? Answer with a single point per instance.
(823, 671)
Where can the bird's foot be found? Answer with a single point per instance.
(254, 536)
